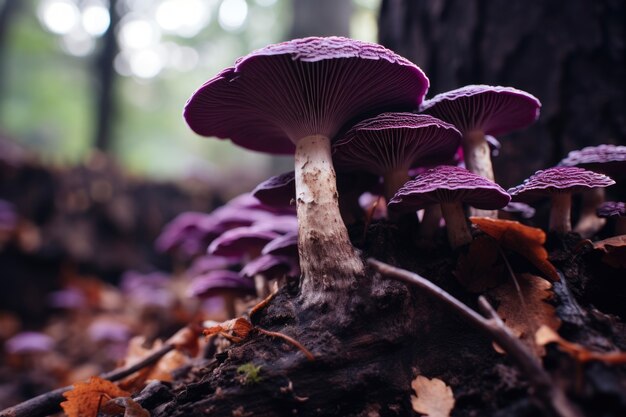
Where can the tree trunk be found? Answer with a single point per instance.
(571, 55)
(106, 78)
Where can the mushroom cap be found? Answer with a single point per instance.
(241, 241)
(612, 209)
(278, 190)
(279, 94)
(448, 184)
(217, 282)
(494, 110)
(28, 343)
(558, 180)
(391, 141)
(270, 266)
(279, 224)
(523, 209)
(286, 245)
(206, 263)
(109, 330)
(606, 159)
(189, 232)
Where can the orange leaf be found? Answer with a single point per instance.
(614, 249)
(236, 329)
(186, 339)
(525, 240)
(546, 335)
(85, 398)
(171, 361)
(432, 397)
(127, 405)
(477, 270)
(525, 311)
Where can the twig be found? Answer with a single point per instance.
(49, 403)
(545, 388)
(288, 339)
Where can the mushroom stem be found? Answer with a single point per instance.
(456, 224)
(477, 157)
(560, 213)
(328, 261)
(430, 222)
(393, 180)
(229, 305)
(589, 223)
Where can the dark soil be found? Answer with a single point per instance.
(368, 351)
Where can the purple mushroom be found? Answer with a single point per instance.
(270, 267)
(29, 343)
(222, 283)
(293, 97)
(286, 245)
(450, 186)
(479, 110)
(206, 263)
(390, 144)
(617, 211)
(522, 210)
(186, 233)
(559, 183)
(606, 159)
(277, 191)
(242, 242)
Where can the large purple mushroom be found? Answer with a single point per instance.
(450, 186)
(559, 183)
(479, 110)
(293, 97)
(391, 143)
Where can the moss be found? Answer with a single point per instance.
(249, 374)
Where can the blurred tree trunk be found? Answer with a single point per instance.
(321, 18)
(106, 79)
(569, 54)
(8, 10)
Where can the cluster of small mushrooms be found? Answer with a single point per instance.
(359, 108)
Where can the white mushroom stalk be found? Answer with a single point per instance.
(560, 213)
(328, 260)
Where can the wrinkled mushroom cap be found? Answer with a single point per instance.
(558, 180)
(448, 184)
(494, 110)
(279, 94)
(612, 209)
(396, 140)
(606, 159)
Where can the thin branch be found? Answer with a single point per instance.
(551, 395)
(288, 339)
(49, 403)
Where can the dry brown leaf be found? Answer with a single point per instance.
(127, 405)
(171, 361)
(85, 399)
(235, 330)
(432, 397)
(525, 311)
(614, 249)
(525, 240)
(545, 335)
(477, 270)
(185, 340)
(136, 353)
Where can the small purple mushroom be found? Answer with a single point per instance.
(222, 283)
(390, 144)
(277, 191)
(479, 110)
(450, 186)
(29, 343)
(559, 183)
(617, 211)
(293, 97)
(523, 210)
(286, 245)
(242, 241)
(606, 159)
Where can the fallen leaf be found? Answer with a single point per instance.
(127, 405)
(545, 335)
(477, 269)
(85, 398)
(526, 310)
(171, 361)
(235, 330)
(136, 353)
(185, 340)
(614, 249)
(525, 240)
(432, 397)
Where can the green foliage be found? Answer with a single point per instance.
(249, 374)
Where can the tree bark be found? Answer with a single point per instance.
(106, 78)
(570, 55)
